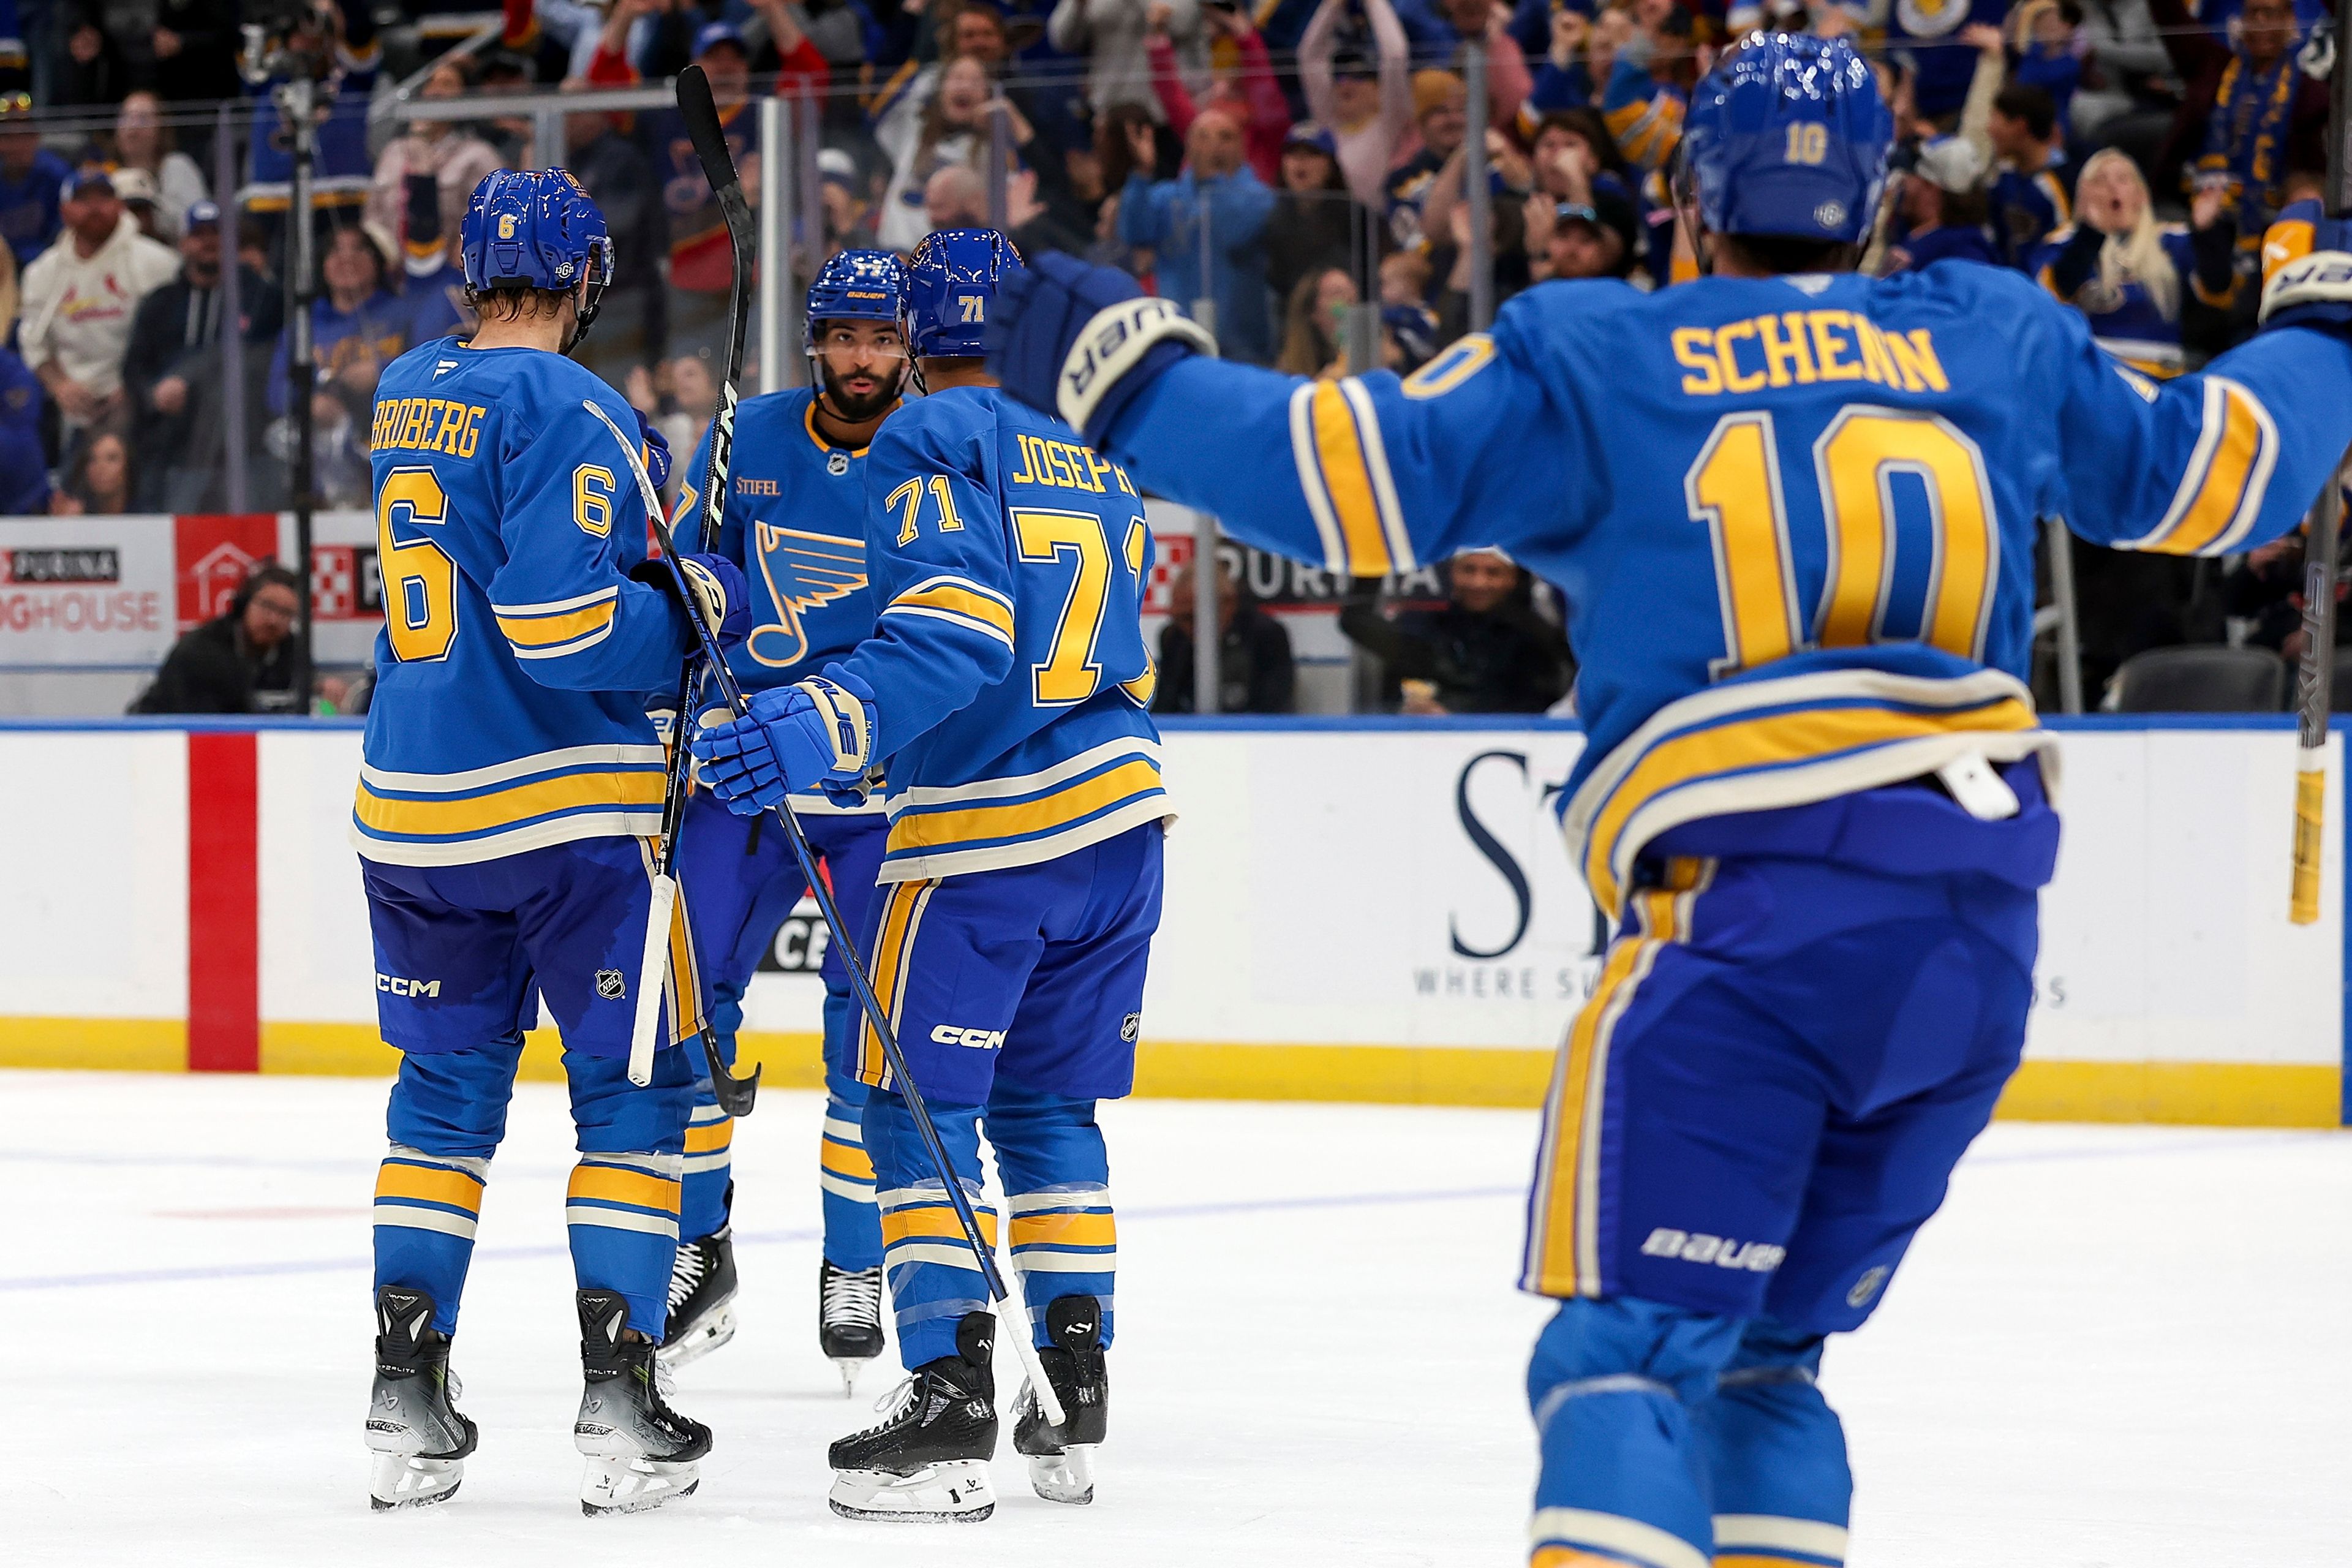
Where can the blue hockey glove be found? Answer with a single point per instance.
(721, 593)
(819, 732)
(658, 461)
(1082, 343)
(2307, 270)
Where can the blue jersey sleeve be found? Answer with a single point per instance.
(940, 572)
(1367, 475)
(2206, 464)
(563, 599)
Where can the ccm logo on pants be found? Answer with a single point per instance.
(978, 1039)
(399, 987)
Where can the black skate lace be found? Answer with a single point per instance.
(851, 1298)
(686, 1274)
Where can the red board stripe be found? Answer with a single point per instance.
(223, 904)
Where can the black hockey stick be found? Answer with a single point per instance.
(735, 1095)
(845, 944)
(2314, 690)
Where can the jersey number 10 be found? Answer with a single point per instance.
(1735, 489)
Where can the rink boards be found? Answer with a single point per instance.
(1356, 909)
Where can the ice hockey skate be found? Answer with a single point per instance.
(927, 1460)
(1061, 1458)
(419, 1439)
(641, 1453)
(849, 1319)
(701, 1298)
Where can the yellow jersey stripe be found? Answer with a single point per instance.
(428, 1184)
(937, 829)
(846, 1160)
(1773, 740)
(961, 600)
(501, 808)
(933, 1221)
(614, 1184)
(1346, 475)
(546, 631)
(2221, 491)
(709, 1137)
(1064, 1230)
(900, 917)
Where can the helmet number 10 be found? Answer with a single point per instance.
(1808, 143)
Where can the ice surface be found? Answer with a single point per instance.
(2118, 1346)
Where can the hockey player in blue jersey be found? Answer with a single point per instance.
(1006, 685)
(510, 786)
(795, 522)
(1792, 512)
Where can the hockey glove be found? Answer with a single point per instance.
(2307, 270)
(795, 738)
(723, 597)
(658, 461)
(1082, 343)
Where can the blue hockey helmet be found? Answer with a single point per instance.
(857, 286)
(950, 282)
(1788, 135)
(536, 228)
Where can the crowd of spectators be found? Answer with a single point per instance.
(1298, 169)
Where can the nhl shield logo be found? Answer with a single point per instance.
(836, 464)
(1866, 1286)
(1131, 1026)
(609, 984)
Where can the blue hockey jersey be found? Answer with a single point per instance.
(1793, 519)
(516, 653)
(1007, 664)
(795, 522)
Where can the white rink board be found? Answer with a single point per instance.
(1332, 886)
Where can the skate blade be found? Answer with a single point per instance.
(411, 1480)
(1066, 1476)
(633, 1486)
(849, 1366)
(710, 1330)
(955, 1492)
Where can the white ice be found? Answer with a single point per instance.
(2117, 1346)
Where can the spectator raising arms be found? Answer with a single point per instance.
(79, 299)
(1439, 105)
(1255, 671)
(1111, 36)
(952, 128)
(1366, 105)
(31, 178)
(140, 143)
(1219, 189)
(1240, 82)
(2255, 100)
(2033, 195)
(1940, 196)
(443, 151)
(2125, 272)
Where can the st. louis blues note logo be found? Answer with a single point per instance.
(803, 572)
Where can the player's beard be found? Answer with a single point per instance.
(852, 409)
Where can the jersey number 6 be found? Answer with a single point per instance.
(420, 582)
(1735, 488)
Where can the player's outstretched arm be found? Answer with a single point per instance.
(2228, 458)
(1363, 476)
(564, 600)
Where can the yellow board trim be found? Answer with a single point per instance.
(2203, 1094)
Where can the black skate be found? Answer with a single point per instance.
(641, 1453)
(702, 1297)
(849, 1319)
(418, 1438)
(929, 1459)
(1061, 1458)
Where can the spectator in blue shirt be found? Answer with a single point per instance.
(24, 468)
(357, 328)
(1166, 216)
(30, 176)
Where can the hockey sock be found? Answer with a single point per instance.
(1624, 1476)
(426, 1209)
(1049, 1151)
(934, 1279)
(623, 1214)
(1776, 1455)
(709, 1170)
(853, 1222)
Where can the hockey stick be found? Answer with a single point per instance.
(2314, 690)
(859, 981)
(695, 105)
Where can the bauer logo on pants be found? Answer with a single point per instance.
(611, 986)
